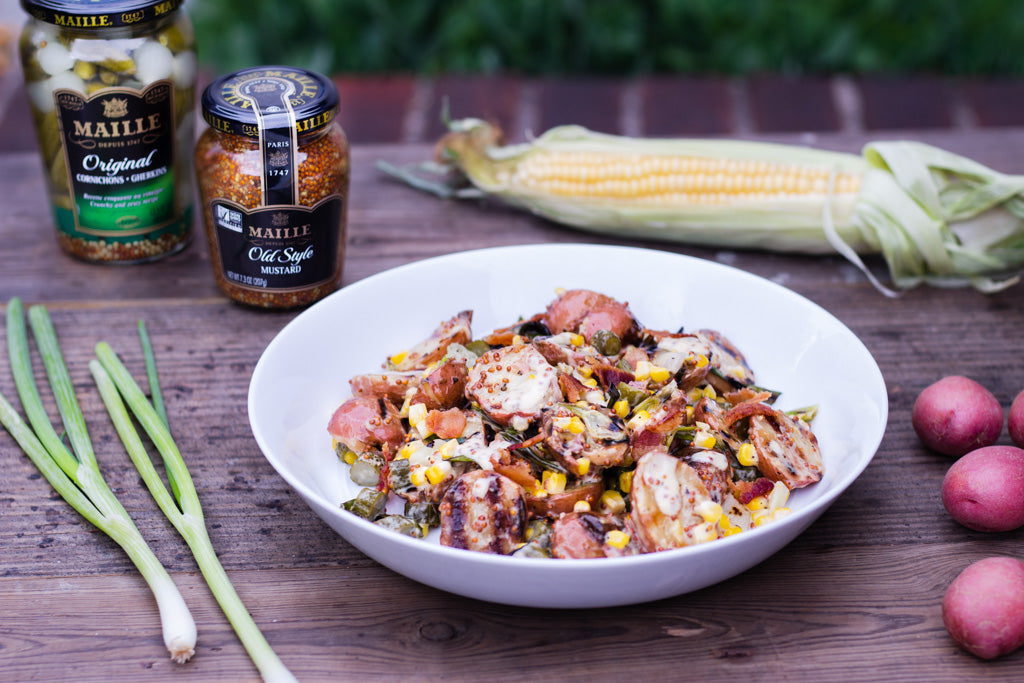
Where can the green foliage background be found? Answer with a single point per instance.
(615, 37)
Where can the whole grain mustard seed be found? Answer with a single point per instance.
(274, 190)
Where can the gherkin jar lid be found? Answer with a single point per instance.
(236, 103)
(86, 15)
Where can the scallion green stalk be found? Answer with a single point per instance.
(182, 509)
(79, 481)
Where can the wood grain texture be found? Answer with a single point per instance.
(855, 598)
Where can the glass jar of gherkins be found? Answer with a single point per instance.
(111, 87)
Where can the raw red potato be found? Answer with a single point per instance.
(957, 415)
(983, 489)
(1016, 421)
(983, 608)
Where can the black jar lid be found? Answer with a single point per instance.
(227, 104)
(97, 15)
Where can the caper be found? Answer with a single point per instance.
(606, 342)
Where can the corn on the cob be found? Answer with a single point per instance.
(934, 216)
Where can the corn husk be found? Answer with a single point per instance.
(935, 217)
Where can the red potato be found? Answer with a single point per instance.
(1016, 421)
(984, 490)
(957, 415)
(983, 609)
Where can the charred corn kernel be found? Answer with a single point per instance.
(747, 455)
(700, 361)
(660, 374)
(398, 357)
(576, 425)
(589, 382)
(612, 502)
(709, 511)
(778, 496)
(621, 408)
(616, 539)
(418, 477)
(639, 418)
(581, 506)
(437, 473)
(586, 371)
(709, 392)
(705, 440)
(689, 413)
(553, 482)
(643, 370)
(582, 466)
(759, 503)
(577, 340)
(626, 481)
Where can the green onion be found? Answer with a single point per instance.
(79, 481)
(935, 217)
(183, 509)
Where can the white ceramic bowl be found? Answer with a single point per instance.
(792, 344)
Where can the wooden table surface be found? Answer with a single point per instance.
(856, 597)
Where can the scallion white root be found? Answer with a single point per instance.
(183, 509)
(78, 480)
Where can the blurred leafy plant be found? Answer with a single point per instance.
(614, 37)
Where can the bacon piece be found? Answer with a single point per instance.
(448, 424)
(746, 491)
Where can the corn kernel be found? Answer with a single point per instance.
(407, 450)
(709, 511)
(577, 340)
(759, 503)
(778, 496)
(417, 477)
(581, 506)
(553, 482)
(436, 474)
(709, 392)
(612, 502)
(590, 382)
(517, 340)
(349, 458)
(660, 374)
(643, 370)
(747, 455)
(639, 418)
(621, 408)
(702, 533)
(586, 371)
(701, 361)
(626, 481)
(704, 440)
(447, 449)
(780, 513)
(582, 466)
(399, 357)
(576, 425)
(724, 522)
(732, 531)
(617, 539)
(417, 413)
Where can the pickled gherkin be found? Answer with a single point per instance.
(111, 87)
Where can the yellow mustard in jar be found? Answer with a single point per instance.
(111, 88)
(273, 175)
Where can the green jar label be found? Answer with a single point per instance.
(119, 152)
